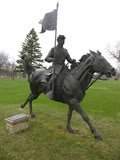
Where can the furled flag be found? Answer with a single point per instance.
(49, 22)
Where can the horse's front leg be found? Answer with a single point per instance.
(76, 106)
(69, 115)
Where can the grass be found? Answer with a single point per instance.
(47, 139)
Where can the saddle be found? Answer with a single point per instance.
(47, 78)
(49, 71)
(47, 75)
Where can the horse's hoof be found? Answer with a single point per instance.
(98, 137)
(32, 116)
(70, 130)
(22, 106)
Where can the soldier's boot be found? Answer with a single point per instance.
(50, 92)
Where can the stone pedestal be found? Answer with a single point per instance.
(16, 123)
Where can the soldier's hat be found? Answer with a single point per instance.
(61, 36)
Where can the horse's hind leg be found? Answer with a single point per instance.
(76, 106)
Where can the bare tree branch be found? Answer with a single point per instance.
(115, 52)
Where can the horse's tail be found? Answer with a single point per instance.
(28, 67)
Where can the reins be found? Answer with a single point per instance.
(87, 72)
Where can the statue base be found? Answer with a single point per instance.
(16, 123)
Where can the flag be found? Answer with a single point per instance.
(49, 22)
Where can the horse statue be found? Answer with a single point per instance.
(70, 85)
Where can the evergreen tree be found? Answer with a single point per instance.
(31, 48)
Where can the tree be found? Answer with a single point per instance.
(3, 60)
(115, 51)
(31, 48)
(4, 63)
(12, 71)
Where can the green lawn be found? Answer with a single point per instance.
(47, 139)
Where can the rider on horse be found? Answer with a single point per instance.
(58, 55)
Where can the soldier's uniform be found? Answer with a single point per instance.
(58, 55)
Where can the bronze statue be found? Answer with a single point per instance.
(57, 55)
(70, 85)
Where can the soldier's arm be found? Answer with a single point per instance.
(50, 56)
(69, 59)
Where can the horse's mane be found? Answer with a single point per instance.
(80, 61)
(84, 57)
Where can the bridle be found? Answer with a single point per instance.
(98, 77)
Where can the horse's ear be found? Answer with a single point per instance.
(92, 52)
(99, 53)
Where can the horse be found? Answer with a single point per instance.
(70, 87)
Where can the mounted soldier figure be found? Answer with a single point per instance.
(68, 86)
(57, 56)
(73, 84)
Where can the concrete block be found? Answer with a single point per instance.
(17, 123)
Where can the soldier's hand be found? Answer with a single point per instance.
(74, 61)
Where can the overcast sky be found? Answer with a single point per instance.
(87, 24)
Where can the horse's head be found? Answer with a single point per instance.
(101, 65)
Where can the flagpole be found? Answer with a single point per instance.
(56, 23)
